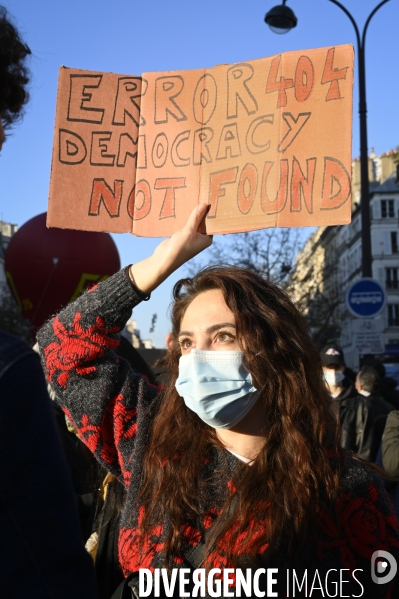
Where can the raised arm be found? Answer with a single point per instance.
(99, 392)
(148, 274)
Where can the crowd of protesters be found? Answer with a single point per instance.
(259, 451)
(367, 407)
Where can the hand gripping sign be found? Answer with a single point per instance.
(267, 143)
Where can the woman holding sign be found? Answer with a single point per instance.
(236, 464)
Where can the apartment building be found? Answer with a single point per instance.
(331, 261)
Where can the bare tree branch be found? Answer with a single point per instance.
(269, 252)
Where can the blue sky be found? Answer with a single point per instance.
(126, 36)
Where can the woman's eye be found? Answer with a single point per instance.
(185, 343)
(222, 337)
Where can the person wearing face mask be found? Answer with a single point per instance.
(339, 386)
(354, 413)
(236, 463)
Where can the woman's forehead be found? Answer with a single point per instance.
(206, 309)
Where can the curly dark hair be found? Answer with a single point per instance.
(14, 75)
(300, 429)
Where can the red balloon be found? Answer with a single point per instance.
(47, 268)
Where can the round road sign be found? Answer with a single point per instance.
(365, 298)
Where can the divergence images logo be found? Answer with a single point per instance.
(383, 563)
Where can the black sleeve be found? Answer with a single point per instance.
(41, 550)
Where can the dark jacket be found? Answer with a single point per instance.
(85, 472)
(42, 555)
(362, 422)
(381, 407)
(356, 420)
(389, 391)
(348, 390)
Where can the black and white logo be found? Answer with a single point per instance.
(383, 567)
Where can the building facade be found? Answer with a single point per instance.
(331, 261)
(132, 333)
(384, 208)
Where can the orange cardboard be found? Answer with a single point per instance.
(266, 142)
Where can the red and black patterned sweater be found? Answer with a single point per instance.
(108, 405)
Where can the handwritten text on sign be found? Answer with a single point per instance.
(266, 143)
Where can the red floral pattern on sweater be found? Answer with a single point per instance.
(77, 346)
(120, 423)
(363, 528)
(137, 550)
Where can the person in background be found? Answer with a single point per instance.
(338, 385)
(354, 413)
(42, 555)
(390, 455)
(388, 388)
(14, 74)
(390, 444)
(368, 384)
(363, 417)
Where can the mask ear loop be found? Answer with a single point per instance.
(246, 366)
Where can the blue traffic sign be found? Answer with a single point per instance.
(365, 298)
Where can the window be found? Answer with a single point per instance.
(393, 315)
(387, 209)
(394, 242)
(391, 278)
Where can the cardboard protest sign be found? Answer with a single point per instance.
(266, 142)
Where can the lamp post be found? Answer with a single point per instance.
(278, 17)
(281, 19)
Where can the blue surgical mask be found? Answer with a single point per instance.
(216, 386)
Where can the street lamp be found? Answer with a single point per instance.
(364, 173)
(281, 19)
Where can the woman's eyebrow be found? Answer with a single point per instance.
(210, 329)
(215, 327)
